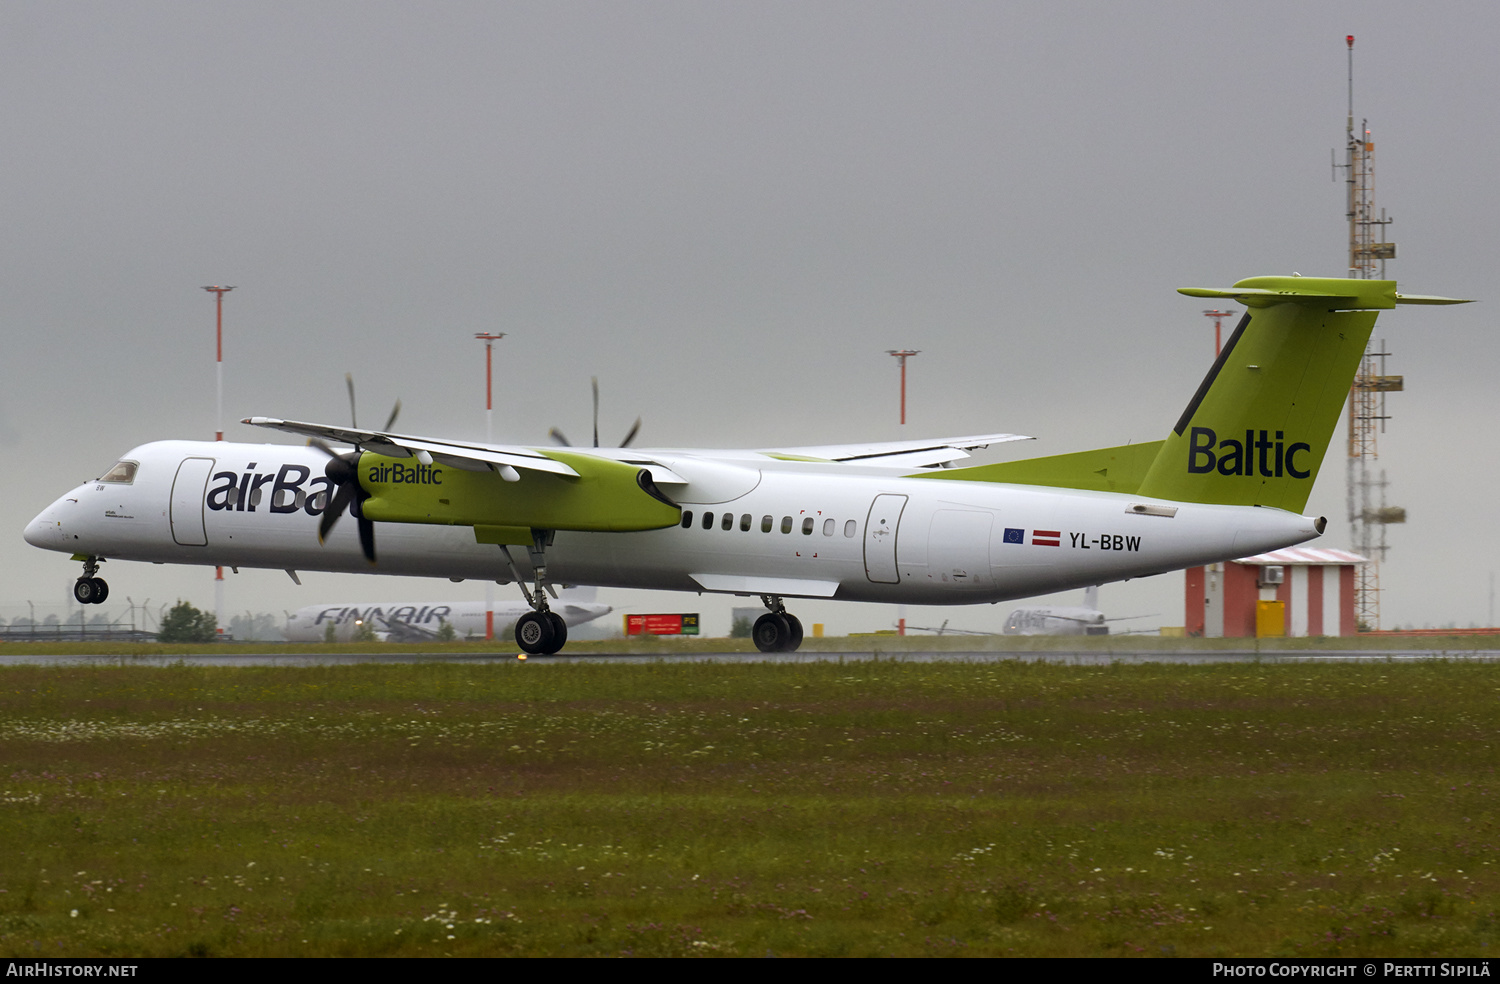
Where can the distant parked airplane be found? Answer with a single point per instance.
(408, 622)
(1063, 620)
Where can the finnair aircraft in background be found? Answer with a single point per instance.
(862, 522)
(1064, 619)
(403, 622)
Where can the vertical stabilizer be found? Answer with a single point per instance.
(1256, 432)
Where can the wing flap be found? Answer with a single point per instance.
(394, 445)
(933, 451)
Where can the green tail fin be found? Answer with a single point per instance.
(1256, 431)
(1258, 428)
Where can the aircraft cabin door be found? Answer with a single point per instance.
(880, 539)
(189, 490)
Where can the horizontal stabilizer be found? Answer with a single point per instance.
(1324, 292)
(1430, 299)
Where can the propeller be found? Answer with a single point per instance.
(343, 471)
(561, 439)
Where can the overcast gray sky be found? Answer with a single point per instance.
(727, 212)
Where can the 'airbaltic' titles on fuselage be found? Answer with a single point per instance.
(1272, 456)
(291, 490)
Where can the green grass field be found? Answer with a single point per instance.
(682, 808)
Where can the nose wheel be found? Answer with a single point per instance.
(90, 589)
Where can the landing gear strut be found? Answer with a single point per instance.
(777, 631)
(540, 632)
(90, 589)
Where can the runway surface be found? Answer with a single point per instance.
(1061, 657)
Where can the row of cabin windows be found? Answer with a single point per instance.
(767, 523)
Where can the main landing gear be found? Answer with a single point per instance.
(777, 631)
(90, 589)
(540, 632)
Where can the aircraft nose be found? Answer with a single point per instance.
(46, 530)
(43, 531)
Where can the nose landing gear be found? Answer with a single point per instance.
(90, 589)
(777, 631)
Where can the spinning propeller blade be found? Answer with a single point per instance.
(558, 437)
(343, 471)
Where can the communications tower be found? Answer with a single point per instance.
(1368, 251)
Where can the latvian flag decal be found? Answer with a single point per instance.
(1046, 538)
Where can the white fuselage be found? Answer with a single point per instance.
(835, 530)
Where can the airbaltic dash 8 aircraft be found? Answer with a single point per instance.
(891, 522)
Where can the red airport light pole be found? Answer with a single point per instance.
(902, 355)
(219, 293)
(489, 339)
(1219, 317)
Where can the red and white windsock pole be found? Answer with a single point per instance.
(219, 293)
(489, 339)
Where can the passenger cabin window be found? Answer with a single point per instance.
(687, 519)
(765, 524)
(786, 524)
(849, 528)
(123, 473)
(728, 523)
(807, 526)
(708, 521)
(828, 526)
(745, 523)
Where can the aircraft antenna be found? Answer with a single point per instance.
(902, 355)
(489, 339)
(1367, 412)
(219, 293)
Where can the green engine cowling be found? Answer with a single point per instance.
(605, 496)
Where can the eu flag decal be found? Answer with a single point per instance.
(1014, 536)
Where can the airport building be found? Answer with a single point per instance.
(1299, 591)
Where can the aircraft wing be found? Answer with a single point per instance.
(400, 445)
(905, 454)
(913, 454)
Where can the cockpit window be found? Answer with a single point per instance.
(123, 473)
